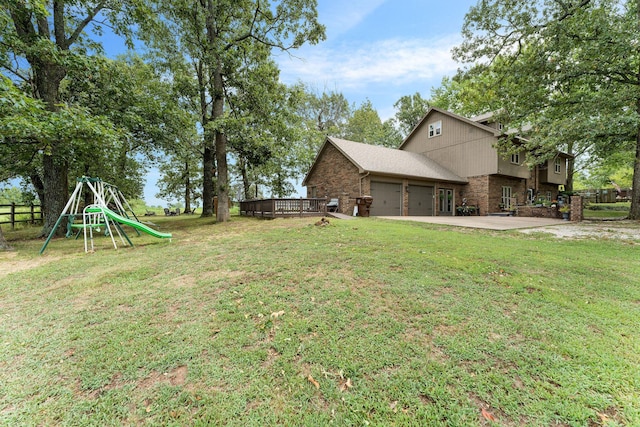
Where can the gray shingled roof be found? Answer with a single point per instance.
(389, 161)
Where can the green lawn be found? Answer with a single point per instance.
(607, 210)
(363, 322)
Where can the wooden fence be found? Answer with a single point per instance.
(20, 213)
(606, 195)
(278, 208)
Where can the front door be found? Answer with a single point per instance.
(445, 201)
(506, 198)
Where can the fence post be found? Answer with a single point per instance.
(13, 215)
(33, 217)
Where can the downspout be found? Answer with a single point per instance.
(361, 178)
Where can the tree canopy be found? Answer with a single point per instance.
(222, 40)
(568, 70)
(42, 40)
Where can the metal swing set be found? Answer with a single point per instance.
(96, 215)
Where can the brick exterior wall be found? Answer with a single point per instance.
(518, 191)
(476, 193)
(335, 177)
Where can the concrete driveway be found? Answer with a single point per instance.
(486, 222)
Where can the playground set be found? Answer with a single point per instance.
(109, 210)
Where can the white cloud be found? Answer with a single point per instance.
(341, 16)
(393, 62)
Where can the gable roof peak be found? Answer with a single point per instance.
(454, 116)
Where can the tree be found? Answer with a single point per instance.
(321, 115)
(470, 93)
(180, 180)
(569, 70)
(143, 107)
(49, 36)
(218, 36)
(410, 109)
(365, 126)
(27, 129)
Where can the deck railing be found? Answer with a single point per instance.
(277, 208)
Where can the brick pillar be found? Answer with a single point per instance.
(344, 205)
(576, 208)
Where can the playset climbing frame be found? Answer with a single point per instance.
(99, 214)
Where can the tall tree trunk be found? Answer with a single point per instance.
(187, 189)
(222, 173)
(222, 183)
(217, 93)
(48, 77)
(37, 183)
(208, 165)
(56, 192)
(246, 185)
(207, 176)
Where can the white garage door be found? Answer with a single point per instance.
(387, 199)
(420, 200)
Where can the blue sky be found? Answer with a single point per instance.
(378, 50)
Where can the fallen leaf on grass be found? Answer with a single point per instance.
(346, 385)
(277, 314)
(314, 382)
(488, 415)
(604, 418)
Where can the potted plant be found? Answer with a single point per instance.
(564, 210)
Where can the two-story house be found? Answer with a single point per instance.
(445, 159)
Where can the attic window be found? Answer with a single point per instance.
(435, 129)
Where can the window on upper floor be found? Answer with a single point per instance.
(435, 129)
(515, 158)
(557, 165)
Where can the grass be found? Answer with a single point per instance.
(363, 322)
(617, 210)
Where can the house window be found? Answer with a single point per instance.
(506, 198)
(515, 158)
(314, 192)
(558, 165)
(435, 129)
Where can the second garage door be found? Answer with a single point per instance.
(387, 199)
(420, 200)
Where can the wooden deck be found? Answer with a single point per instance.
(282, 208)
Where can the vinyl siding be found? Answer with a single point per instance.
(462, 148)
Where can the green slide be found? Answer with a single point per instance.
(131, 223)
